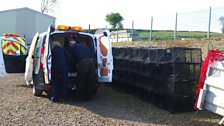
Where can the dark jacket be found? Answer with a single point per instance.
(80, 51)
(59, 65)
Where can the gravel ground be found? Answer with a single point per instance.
(19, 107)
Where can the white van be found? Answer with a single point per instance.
(39, 60)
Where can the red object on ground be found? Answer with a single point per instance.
(213, 55)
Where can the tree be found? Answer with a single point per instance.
(115, 20)
(221, 20)
(48, 5)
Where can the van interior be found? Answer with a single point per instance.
(64, 39)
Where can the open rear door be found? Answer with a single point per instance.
(13, 56)
(30, 60)
(47, 57)
(104, 56)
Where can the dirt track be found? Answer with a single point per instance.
(19, 107)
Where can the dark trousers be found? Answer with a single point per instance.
(86, 77)
(59, 87)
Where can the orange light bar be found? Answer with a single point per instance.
(62, 27)
(77, 28)
(13, 34)
(7, 34)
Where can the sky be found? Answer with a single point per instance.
(93, 12)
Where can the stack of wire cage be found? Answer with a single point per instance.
(166, 76)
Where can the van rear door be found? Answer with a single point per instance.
(13, 56)
(47, 57)
(30, 60)
(104, 56)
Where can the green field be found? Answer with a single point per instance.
(195, 40)
(162, 35)
(144, 35)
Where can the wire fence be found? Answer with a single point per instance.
(197, 24)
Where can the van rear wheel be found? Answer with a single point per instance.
(36, 92)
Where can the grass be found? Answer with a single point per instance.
(167, 34)
(163, 35)
(205, 44)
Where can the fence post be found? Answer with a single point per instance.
(117, 34)
(132, 30)
(209, 22)
(175, 31)
(151, 29)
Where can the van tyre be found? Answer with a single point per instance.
(36, 92)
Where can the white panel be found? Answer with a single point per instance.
(215, 98)
(213, 108)
(217, 82)
(214, 83)
(219, 65)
